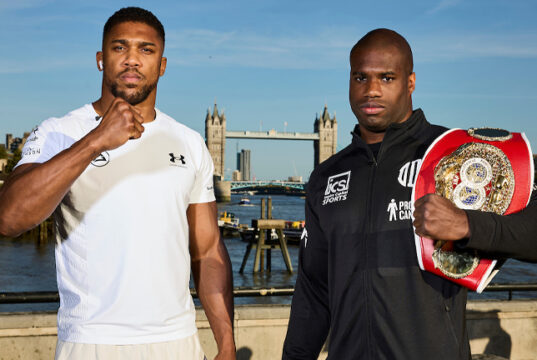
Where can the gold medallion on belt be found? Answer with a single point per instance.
(476, 176)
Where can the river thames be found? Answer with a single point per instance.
(26, 266)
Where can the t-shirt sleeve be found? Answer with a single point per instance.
(203, 190)
(42, 144)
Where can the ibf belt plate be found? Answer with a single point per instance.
(480, 169)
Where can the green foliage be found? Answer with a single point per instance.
(3, 152)
(13, 161)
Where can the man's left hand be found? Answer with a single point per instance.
(437, 218)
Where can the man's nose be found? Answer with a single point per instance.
(132, 59)
(373, 88)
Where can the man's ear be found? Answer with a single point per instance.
(411, 83)
(163, 63)
(99, 59)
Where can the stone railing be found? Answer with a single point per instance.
(504, 328)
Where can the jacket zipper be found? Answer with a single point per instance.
(366, 278)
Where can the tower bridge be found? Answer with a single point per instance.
(324, 137)
(244, 185)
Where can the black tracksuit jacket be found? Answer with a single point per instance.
(358, 273)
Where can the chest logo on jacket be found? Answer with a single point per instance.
(337, 188)
(408, 173)
(399, 210)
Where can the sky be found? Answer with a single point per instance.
(275, 64)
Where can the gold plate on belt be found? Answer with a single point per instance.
(476, 176)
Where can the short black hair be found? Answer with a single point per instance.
(134, 14)
(387, 37)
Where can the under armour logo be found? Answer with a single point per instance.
(181, 158)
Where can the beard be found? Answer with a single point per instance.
(136, 97)
(132, 98)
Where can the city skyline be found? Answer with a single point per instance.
(275, 64)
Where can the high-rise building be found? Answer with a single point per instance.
(243, 164)
(236, 176)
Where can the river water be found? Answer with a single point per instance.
(26, 266)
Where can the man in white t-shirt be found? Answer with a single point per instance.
(132, 194)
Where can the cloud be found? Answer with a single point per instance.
(201, 47)
(443, 5)
(21, 4)
(465, 46)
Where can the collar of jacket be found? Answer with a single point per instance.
(395, 132)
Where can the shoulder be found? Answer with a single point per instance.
(179, 129)
(69, 120)
(334, 165)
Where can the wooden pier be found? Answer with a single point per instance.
(263, 242)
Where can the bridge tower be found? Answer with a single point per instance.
(326, 127)
(215, 136)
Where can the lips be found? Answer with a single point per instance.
(371, 108)
(130, 77)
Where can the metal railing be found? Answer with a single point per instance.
(52, 296)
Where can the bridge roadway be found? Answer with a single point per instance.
(271, 134)
(237, 185)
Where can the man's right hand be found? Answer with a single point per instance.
(120, 122)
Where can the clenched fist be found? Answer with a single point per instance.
(120, 122)
(437, 218)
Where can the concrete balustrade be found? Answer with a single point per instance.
(504, 328)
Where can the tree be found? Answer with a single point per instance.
(3, 152)
(13, 160)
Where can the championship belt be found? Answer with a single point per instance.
(479, 169)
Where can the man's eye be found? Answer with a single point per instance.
(119, 48)
(147, 50)
(360, 78)
(388, 79)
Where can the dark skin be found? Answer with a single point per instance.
(132, 64)
(380, 94)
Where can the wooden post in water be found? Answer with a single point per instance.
(260, 252)
(262, 208)
(269, 234)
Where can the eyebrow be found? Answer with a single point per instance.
(125, 42)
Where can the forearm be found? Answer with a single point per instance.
(33, 191)
(213, 279)
(507, 236)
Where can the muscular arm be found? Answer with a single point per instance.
(211, 269)
(33, 191)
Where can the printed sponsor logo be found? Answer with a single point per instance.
(337, 188)
(399, 210)
(31, 151)
(101, 160)
(409, 173)
(209, 188)
(304, 237)
(177, 160)
(33, 136)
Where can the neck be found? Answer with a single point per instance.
(370, 137)
(146, 107)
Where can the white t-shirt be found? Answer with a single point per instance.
(122, 258)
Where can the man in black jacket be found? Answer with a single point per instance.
(358, 274)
